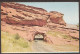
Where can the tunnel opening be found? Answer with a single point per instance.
(39, 36)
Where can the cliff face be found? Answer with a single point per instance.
(19, 14)
(14, 13)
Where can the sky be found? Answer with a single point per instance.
(69, 9)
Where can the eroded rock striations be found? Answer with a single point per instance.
(19, 14)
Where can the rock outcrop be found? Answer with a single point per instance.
(13, 13)
(57, 17)
(19, 14)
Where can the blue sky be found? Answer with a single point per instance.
(69, 9)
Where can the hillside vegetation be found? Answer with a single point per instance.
(13, 43)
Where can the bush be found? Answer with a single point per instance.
(17, 36)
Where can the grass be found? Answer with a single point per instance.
(13, 43)
(59, 34)
(17, 36)
(55, 34)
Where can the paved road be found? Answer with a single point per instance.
(41, 46)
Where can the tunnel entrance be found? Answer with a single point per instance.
(39, 36)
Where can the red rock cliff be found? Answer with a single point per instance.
(57, 17)
(14, 13)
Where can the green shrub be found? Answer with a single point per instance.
(17, 36)
(65, 36)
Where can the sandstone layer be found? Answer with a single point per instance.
(14, 13)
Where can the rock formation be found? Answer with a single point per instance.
(27, 20)
(57, 17)
(14, 13)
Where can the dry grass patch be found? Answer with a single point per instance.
(60, 35)
(13, 43)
